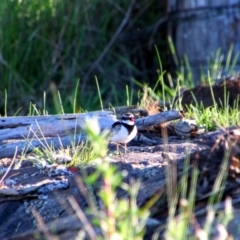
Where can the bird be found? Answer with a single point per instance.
(123, 131)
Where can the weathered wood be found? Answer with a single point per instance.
(159, 118)
(49, 126)
(22, 134)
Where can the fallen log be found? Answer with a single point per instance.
(22, 134)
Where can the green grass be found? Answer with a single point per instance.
(64, 57)
(51, 43)
(122, 218)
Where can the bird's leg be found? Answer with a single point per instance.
(125, 147)
(117, 146)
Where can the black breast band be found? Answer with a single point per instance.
(128, 127)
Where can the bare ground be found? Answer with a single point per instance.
(31, 196)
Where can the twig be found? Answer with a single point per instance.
(80, 214)
(9, 168)
(42, 226)
(216, 207)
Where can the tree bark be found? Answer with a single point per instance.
(200, 29)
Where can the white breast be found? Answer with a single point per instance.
(122, 135)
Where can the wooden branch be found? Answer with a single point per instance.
(49, 126)
(158, 118)
(26, 133)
